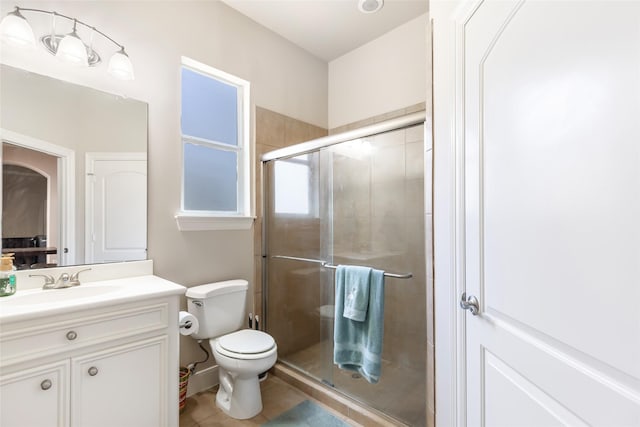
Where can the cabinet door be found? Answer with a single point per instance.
(36, 397)
(122, 386)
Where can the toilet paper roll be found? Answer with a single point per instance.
(187, 322)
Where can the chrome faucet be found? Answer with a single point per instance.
(64, 281)
(74, 280)
(49, 281)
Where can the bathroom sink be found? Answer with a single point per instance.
(33, 303)
(49, 296)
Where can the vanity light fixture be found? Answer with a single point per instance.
(16, 30)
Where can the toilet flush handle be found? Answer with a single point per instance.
(197, 303)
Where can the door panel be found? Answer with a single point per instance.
(551, 208)
(529, 406)
(117, 209)
(121, 386)
(45, 388)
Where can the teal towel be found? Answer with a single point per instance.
(357, 345)
(356, 291)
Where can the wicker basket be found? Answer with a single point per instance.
(184, 382)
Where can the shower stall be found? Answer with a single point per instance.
(355, 198)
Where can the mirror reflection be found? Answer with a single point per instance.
(74, 173)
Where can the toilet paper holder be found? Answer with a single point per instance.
(187, 324)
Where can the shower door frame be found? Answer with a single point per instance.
(312, 146)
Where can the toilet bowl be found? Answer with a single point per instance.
(241, 354)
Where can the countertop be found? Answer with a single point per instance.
(35, 303)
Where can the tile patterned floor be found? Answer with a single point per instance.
(277, 397)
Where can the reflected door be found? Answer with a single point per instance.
(116, 207)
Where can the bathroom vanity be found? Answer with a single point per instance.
(104, 353)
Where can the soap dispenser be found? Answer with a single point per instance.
(7, 276)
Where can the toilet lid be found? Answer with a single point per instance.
(247, 341)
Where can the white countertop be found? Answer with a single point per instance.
(35, 303)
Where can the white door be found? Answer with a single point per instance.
(116, 207)
(543, 110)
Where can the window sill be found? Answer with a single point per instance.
(189, 222)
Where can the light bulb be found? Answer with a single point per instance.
(73, 50)
(14, 29)
(120, 66)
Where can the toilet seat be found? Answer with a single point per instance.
(246, 344)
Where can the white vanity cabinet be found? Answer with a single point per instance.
(120, 386)
(115, 364)
(35, 397)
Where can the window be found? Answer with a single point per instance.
(296, 185)
(215, 147)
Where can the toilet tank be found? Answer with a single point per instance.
(219, 307)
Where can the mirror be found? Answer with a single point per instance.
(74, 167)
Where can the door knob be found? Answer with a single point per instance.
(469, 303)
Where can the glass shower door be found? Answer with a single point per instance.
(294, 291)
(366, 208)
(377, 198)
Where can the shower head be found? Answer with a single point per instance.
(370, 6)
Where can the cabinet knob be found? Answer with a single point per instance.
(46, 384)
(72, 335)
(93, 371)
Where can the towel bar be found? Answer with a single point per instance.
(328, 265)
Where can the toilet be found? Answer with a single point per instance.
(241, 354)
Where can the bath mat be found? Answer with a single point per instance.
(306, 414)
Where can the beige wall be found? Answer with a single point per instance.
(156, 34)
(385, 74)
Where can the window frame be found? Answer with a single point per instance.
(196, 220)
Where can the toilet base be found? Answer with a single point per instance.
(245, 401)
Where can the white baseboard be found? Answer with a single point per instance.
(202, 380)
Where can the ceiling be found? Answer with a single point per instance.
(328, 28)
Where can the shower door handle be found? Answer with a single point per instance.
(469, 303)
